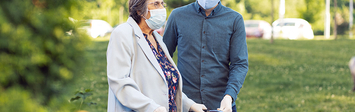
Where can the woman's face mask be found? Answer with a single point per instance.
(207, 4)
(157, 18)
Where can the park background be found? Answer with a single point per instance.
(47, 65)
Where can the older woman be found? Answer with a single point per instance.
(141, 74)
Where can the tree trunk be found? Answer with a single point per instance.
(327, 20)
(351, 19)
(272, 20)
(335, 20)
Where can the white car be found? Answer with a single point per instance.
(292, 28)
(96, 28)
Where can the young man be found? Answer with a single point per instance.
(212, 52)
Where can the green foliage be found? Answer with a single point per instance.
(82, 95)
(113, 11)
(248, 6)
(116, 11)
(237, 1)
(311, 10)
(38, 55)
(95, 78)
(178, 3)
(252, 7)
(18, 100)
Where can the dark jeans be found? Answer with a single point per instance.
(234, 108)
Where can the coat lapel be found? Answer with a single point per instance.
(163, 46)
(166, 52)
(179, 90)
(145, 47)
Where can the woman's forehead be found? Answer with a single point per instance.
(149, 1)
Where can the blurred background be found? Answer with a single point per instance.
(53, 54)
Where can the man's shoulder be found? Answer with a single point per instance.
(183, 9)
(230, 11)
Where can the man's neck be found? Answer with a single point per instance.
(208, 11)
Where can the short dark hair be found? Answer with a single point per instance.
(137, 8)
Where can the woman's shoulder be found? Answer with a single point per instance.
(122, 33)
(124, 27)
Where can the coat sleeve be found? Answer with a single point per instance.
(120, 53)
(186, 103)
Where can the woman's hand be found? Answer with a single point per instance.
(160, 109)
(198, 107)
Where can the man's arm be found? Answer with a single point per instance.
(170, 34)
(238, 59)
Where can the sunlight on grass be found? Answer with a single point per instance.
(100, 39)
(289, 75)
(266, 59)
(302, 75)
(331, 37)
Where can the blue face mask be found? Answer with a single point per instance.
(207, 4)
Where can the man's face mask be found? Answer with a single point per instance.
(207, 4)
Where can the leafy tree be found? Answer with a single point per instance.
(178, 3)
(311, 10)
(41, 53)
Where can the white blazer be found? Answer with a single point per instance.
(136, 81)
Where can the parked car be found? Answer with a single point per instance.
(258, 28)
(95, 28)
(292, 28)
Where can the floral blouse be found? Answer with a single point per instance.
(171, 74)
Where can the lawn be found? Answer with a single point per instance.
(289, 75)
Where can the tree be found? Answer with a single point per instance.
(178, 3)
(311, 10)
(335, 20)
(41, 53)
(272, 19)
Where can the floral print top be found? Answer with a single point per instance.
(171, 74)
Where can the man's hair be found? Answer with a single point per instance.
(137, 8)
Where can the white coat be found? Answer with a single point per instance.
(136, 81)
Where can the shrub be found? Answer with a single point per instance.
(40, 50)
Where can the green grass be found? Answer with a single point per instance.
(289, 75)
(304, 75)
(96, 77)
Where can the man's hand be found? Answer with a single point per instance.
(198, 107)
(226, 104)
(160, 109)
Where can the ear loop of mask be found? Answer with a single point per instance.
(146, 14)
